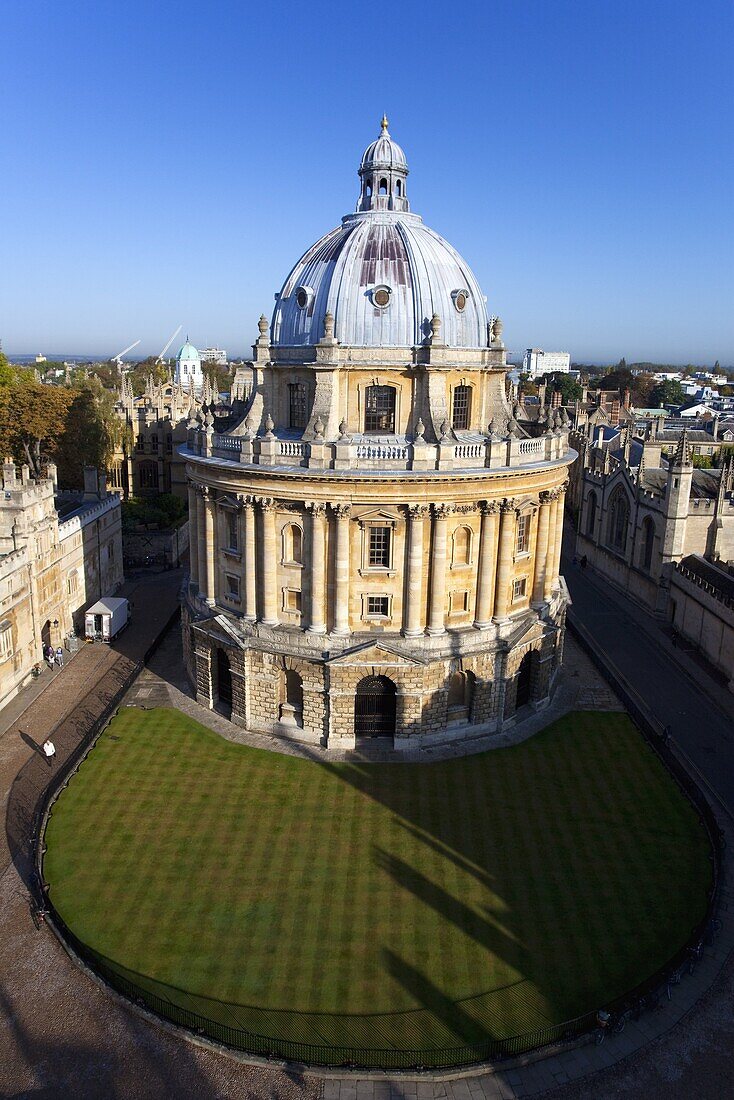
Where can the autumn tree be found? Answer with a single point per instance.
(33, 422)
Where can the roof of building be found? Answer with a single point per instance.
(382, 275)
(383, 153)
(711, 573)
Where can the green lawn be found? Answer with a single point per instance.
(531, 883)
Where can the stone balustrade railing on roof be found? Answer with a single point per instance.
(386, 454)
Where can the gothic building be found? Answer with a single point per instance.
(640, 513)
(375, 544)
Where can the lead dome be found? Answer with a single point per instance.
(382, 273)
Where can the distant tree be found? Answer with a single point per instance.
(570, 389)
(529, 388)
(667, 392)
(139, 375)
(622, 364)
(7, 373)
(717, 368)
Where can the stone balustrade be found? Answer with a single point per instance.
(383, 454)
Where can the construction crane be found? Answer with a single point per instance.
(160, 357)
(118, 358)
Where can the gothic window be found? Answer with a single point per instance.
(619, 515)
(648, 542)
(522, 539)
(379, 547)
(292, 544)
(6, 640)
(297, 405)
(154, 443)
(461, 408)
(148, 475)
(462, 546)
(591, 514)
(72, 582)
(379, 409)
(139, 443)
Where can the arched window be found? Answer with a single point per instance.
(368, 188)
(461, 554)
(291, 694)
(460, 696)
(383, 186)
(461, 411)
(619, 515)
(292, 544)
(648, 542)
(148, 475)
(591, 514)
(398, 188)
(379, 413)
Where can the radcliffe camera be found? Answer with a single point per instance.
(367, 553)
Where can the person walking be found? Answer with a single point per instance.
(60, 657)
(48, 653)
(50, 751)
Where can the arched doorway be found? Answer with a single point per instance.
(224, 684)
(524, 681)
(374, 707)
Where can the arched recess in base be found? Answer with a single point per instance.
(224, 684)
(374, 708)
(525, 680)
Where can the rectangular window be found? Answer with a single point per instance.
(378, 605)
(458, 603)
(154, 442)
(292, 600)
(460, 415)
(233, 587)
(518, 588)
(297, 405)
(379, 409)
(232, 531)
(140, 443)
(169, 444)
(523, 534)
(379, 554)
(6, 640)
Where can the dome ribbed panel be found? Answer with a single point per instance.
(394, 250)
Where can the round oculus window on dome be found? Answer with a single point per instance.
(460, 297)
(304, 297)
(381, 296)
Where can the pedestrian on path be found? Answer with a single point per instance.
(60, 657)
(50, 750)
(48, 652)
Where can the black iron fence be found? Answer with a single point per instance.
(411, 1040)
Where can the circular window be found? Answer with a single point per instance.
(460, 298)
(304, 295)
(381, 296)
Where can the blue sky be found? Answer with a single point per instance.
(167, 163)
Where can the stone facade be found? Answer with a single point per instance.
(58, 554)
(376, 530)
(702, 610)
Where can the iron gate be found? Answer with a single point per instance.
(374, 707)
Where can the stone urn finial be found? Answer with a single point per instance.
(343, 434)
(420, 430)
(445, 434)
(262, 325)
(269, 425)
(328, 326)
(319, 428)
(435, 328)
(250, 426)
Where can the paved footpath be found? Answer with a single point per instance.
(63, 1036)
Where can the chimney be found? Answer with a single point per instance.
(52, 475)
(90, 483)
(102, 484)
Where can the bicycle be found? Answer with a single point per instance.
(610, 1024)
(673, 979)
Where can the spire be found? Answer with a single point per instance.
(682, 456)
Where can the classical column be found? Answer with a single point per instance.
(193, 536)
(269, 578)
(559, 532)
(341, 571)
(437, 612)
(317, 509)
(413, 621)
(210, 545)
(201, 539)
(551, 552)
(541, 548)
(504, 560)
(487, 564)
(249, 555)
